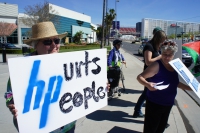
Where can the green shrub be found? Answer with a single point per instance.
(79, 46)
(65, 48)
(15, 51)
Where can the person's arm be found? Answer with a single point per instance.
(122, 57)
(149, 59)
(110, 57)
(183, 86)
(147, 73)
(9, 99)
(123, 60)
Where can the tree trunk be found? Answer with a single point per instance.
(108, 37)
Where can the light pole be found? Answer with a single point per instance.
(103, 20)
(176, 31)
(116, 18)
(182, 36)
(174, 34)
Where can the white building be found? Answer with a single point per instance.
(9, 14)
(69, 21)
(169, 26)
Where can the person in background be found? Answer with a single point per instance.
(45, 40)
(160, 102)
(115, 58)
(151, 54)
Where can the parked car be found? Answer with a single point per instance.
(11, 46)
(186, 58)
(136, 40)
(140, 49)
(144, 40)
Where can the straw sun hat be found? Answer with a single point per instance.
(43, 30)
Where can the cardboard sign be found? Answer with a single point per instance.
(186, 75)
(53, 90)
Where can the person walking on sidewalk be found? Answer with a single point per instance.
(151, 54)
(115, 58)
(160, 102)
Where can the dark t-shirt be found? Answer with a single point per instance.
(166, 96)
(149, 47)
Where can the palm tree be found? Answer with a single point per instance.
(77, 37)
(109, 19)
(99, 33)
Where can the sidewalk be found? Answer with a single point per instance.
(117, 116)
(114, 118)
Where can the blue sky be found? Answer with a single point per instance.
(129, 12)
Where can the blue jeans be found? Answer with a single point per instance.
(140, 101)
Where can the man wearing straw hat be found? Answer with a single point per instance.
(45, 40)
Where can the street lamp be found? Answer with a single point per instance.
(182, 36)
(103, 18)
(116, 18)
(176, 31)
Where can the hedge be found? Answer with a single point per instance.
(14, 51)
(62, 48)
(78, 46)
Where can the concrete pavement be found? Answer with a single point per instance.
(117, 116)
(114, 118)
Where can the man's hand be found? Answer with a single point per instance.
(108, 87)
(124, 62)
(12, 110)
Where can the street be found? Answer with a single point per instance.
(186, 101)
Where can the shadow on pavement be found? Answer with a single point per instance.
(117, 116)
(120, 103)
(131, 91)
(121, 130)
(116, 101)
(4, 63)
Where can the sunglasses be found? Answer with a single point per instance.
(169, 43)
(167, 55)
(50, 41)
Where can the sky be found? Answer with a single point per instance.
(129, 12)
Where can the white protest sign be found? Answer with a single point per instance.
(53, 90)
(186, 75)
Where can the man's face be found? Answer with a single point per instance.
(118, 46)
(48, 45)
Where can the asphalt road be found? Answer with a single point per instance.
(187, 101)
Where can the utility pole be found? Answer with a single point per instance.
(182, 36)
(102, 39)
(176, 31)
(116, 34)
(107, 35)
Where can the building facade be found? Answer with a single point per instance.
(169, 26)
(68, 21)
(9, 14)
(138, 26)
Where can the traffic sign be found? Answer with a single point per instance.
(116, 26)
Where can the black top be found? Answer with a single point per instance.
(149, 47)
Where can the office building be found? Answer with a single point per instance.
(169, 26)
(138, 26)
(68, 21)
